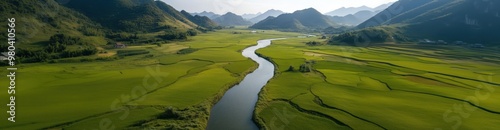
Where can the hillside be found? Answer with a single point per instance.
(303, 19)
(450, 20)
(132, 15)
(37, 20)
(202, 21)
(231, 19)
(272, 12)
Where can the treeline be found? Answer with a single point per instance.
(369, 35)
(56, 48)
(173, 35)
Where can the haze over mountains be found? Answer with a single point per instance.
(353, 16)
(250, 16)
(352, 10)
(353, 19)
(210, 15)
(272, 12)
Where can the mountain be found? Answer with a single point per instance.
(303, 19)
(272, 12)
(382, 7)
(471, 21)
(231, 19)
(353, 19)
(250, 16)
(364, 15)
(352, 10)
(132, 15)
(210, 15)
(348, 20)
(346, 11)
(203, 21)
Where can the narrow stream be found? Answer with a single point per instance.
(235, 110)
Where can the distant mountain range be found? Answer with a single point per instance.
(250, 16)
(303, 19)
(203, 21)
(472, 21)
(231, 19)
(353, 19)
(266, 14)
(210, 15)
(352, 10)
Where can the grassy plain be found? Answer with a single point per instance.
(390, 86)
(157, 88)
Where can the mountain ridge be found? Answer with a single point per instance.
(231, 19)
(271, 12)
(308, 18)
(449, 20)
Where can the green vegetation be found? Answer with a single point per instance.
(137, 87)
(423, 87)
(370, 35)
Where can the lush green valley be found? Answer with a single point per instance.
(145, 64)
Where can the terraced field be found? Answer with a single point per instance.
(380, 87)
(160, 87)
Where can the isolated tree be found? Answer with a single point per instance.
(290, 69)
(305, 68)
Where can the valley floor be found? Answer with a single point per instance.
(380, 87)
(162, 89)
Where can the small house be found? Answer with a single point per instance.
(120, 45)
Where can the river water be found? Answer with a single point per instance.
(235, 109)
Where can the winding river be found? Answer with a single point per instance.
(235, 109)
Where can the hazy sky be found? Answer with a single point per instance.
(254, 6)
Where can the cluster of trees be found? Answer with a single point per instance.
(91, 31)
(314, 43)
(86, 51)
(65, 39)
(304, 68)
(178, 35)
(122, 36)
(55, 49)
(369, 35)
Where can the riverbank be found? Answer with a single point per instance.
(235, 109)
